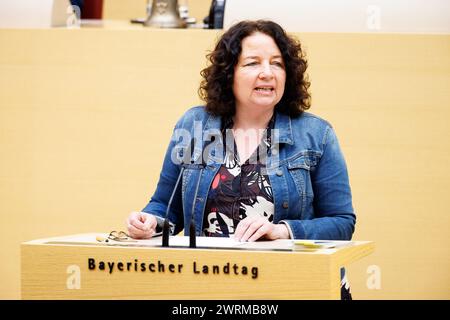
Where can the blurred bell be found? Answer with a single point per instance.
(165, 14)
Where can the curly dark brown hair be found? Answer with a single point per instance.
(216, 87)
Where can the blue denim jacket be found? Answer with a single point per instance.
(306, 169)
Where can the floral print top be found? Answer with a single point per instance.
(239, 190)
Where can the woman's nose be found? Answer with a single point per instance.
(266, 72)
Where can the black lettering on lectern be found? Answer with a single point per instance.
(254, 272)
(91, 264)
(161, 267)
(244, 270)
(226, 268)
(195, 267)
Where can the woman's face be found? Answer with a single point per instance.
(259, 75)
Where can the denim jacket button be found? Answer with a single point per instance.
(279, 172)
(285, 205)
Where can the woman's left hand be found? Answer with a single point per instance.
(254, 228)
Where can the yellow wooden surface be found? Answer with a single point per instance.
(85, 117)
(46, 270)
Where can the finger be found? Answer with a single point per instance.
(138, 233)
(135, 221)
(143, 216)
(241, 228)
(261, 232)
(149, 221)
(134, 232)
(135, 216)
(255, 225)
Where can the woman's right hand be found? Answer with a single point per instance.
(141, 225)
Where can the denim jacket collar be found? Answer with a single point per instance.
(213, 123)
(284, 128)
(282, 125)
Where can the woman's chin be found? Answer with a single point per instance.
(265, 104)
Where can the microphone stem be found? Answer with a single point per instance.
(166, 226)
(192, 229)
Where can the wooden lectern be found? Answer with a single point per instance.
(88, 267)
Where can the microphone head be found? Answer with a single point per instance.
(192, 234)
(165, 234)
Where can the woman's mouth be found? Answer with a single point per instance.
(264, 90)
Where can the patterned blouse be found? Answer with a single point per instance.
(239, 190)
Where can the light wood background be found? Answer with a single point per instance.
(86, 115)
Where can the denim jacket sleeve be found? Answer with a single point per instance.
(334, 216)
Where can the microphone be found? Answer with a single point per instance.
(192, 230)
(184, 164)
(166, 225)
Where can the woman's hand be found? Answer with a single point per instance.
(141, 225)
(254, 228)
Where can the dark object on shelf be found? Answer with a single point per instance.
(216, 13)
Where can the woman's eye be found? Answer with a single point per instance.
(250, 64)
